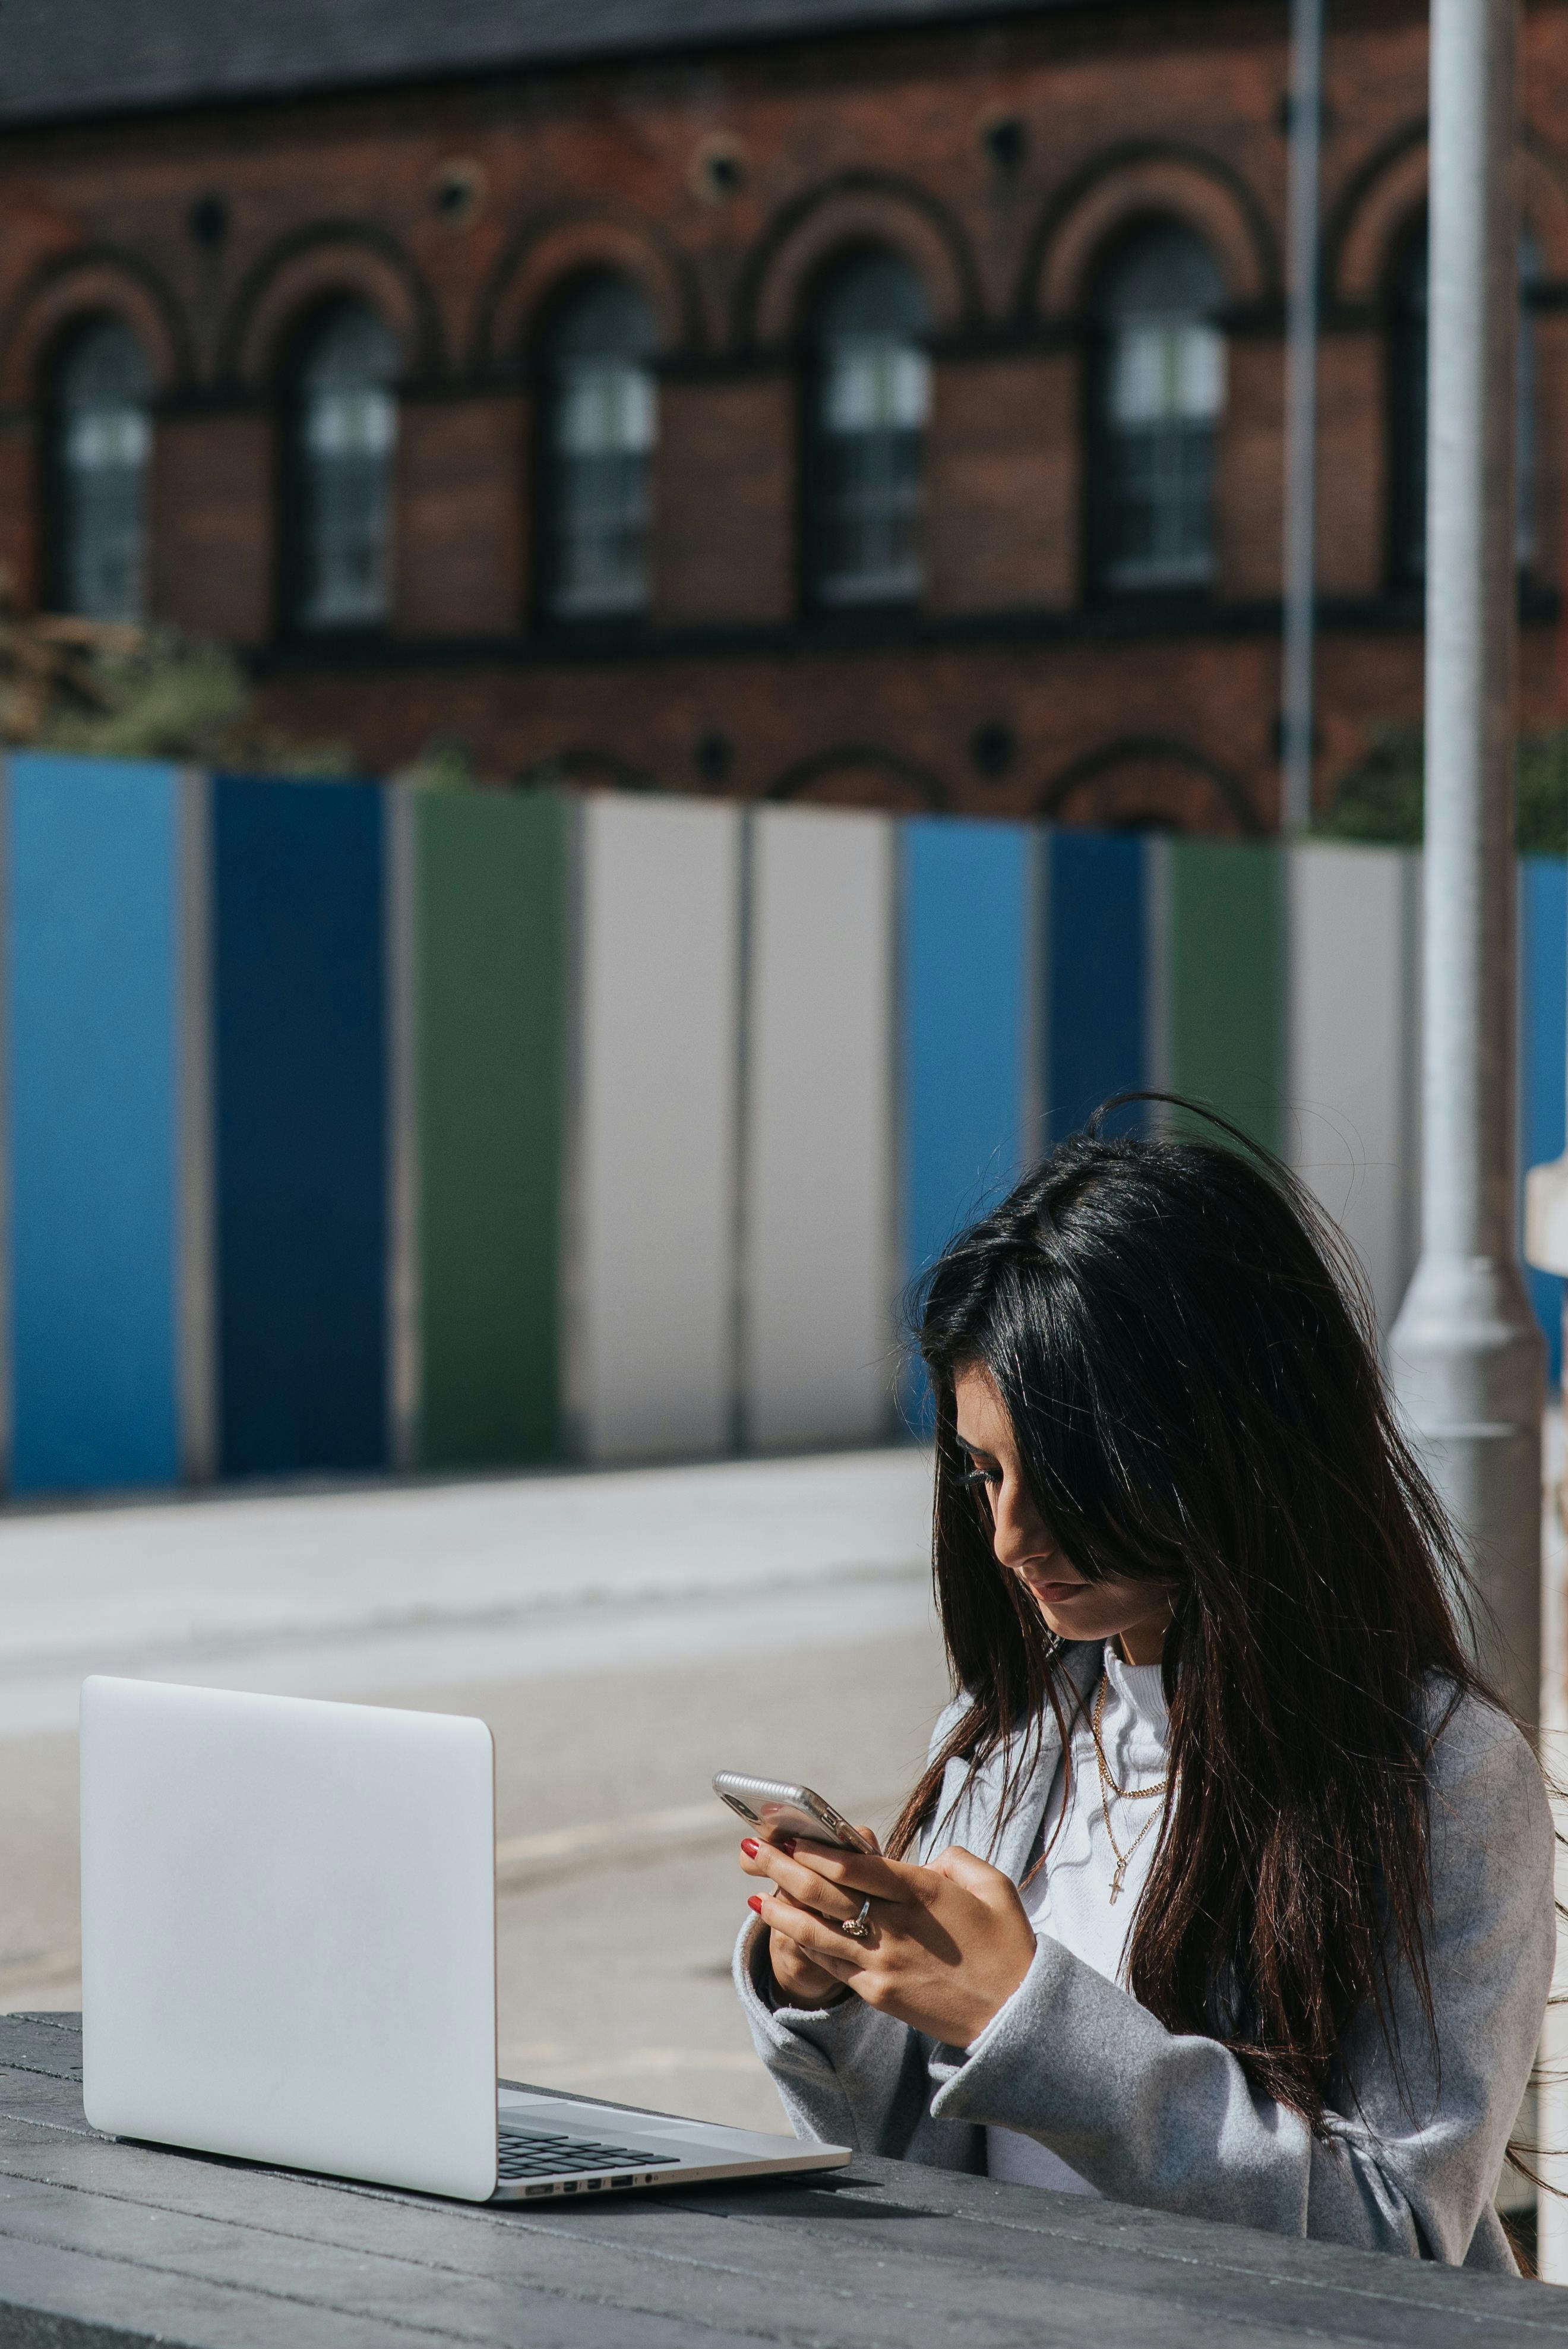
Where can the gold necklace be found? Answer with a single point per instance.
(1108, 1787)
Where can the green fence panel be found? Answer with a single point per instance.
(1227, 981)
(490, 946)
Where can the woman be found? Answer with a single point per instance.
(1233, 1893)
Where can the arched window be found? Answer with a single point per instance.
(1407, 407)
(102, 441)
(1161, 395)
(871, 406)
(603, 425)
(345, 435)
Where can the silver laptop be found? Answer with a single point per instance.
(288, 1955)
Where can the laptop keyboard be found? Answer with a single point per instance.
(538, 2153)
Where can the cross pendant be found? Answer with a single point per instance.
(1116, 1882)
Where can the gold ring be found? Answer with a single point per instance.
(856, 1927)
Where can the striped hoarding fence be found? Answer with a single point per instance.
(819, 1266)
(1102, 964)
(300, 1128)
(1224, 981)
(652, 1200)
(354, 1127)
(94, 998)
(969, 1021)
(483, 1041)
(1353, 1064)
(968, 1025)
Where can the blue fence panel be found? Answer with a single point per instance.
(92, 987)
(1096, 974)
(965, 899)
(302, 1128)
(1544, 1050)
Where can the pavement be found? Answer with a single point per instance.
(625, 1633)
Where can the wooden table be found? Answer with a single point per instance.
(103, 2243)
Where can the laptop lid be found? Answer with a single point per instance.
(288, 1931)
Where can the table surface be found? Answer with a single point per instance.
(102, 2243)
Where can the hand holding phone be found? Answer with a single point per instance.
(783, 1813)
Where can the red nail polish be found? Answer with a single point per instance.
(789, 1848)
(749, 1847)
(755, 1902)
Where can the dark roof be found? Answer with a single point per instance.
(64, 59)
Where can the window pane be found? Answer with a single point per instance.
(1161, 487)
(604, 429)
(1169, 371)
(103, 442)
(604, 405)
(1163, 396)
(873, 406)
(875, 386)
(346, 435)
(351, 424)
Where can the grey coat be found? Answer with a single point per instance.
(1169, 2120)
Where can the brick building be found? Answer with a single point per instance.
(873, 400)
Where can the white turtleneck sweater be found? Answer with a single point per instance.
(1069, 1897)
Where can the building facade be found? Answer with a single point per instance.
(798, 398)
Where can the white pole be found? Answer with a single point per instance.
(1298, 696)
(1468, 1357)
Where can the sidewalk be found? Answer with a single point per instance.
(409, 1587)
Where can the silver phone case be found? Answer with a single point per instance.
(778, 1808)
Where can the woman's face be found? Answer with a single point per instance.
(1139, 1613)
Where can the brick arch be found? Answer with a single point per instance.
(1128, 184)
(857, 208)
(1151, 779)
(1388, 191)
(1372, 214)
(560, 245)
(861, 775)
(93, 282)
(343, 258)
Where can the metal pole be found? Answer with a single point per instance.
(1301, 418)
(1467, 1358)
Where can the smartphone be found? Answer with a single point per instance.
(783, 1811)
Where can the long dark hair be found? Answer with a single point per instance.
(1188, 1358)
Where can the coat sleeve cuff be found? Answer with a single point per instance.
(1144, 2115)
(831, 2033)
(984, 2082)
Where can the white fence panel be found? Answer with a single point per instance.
(652, 1252)
(818, 1280)
(1351, 1074)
